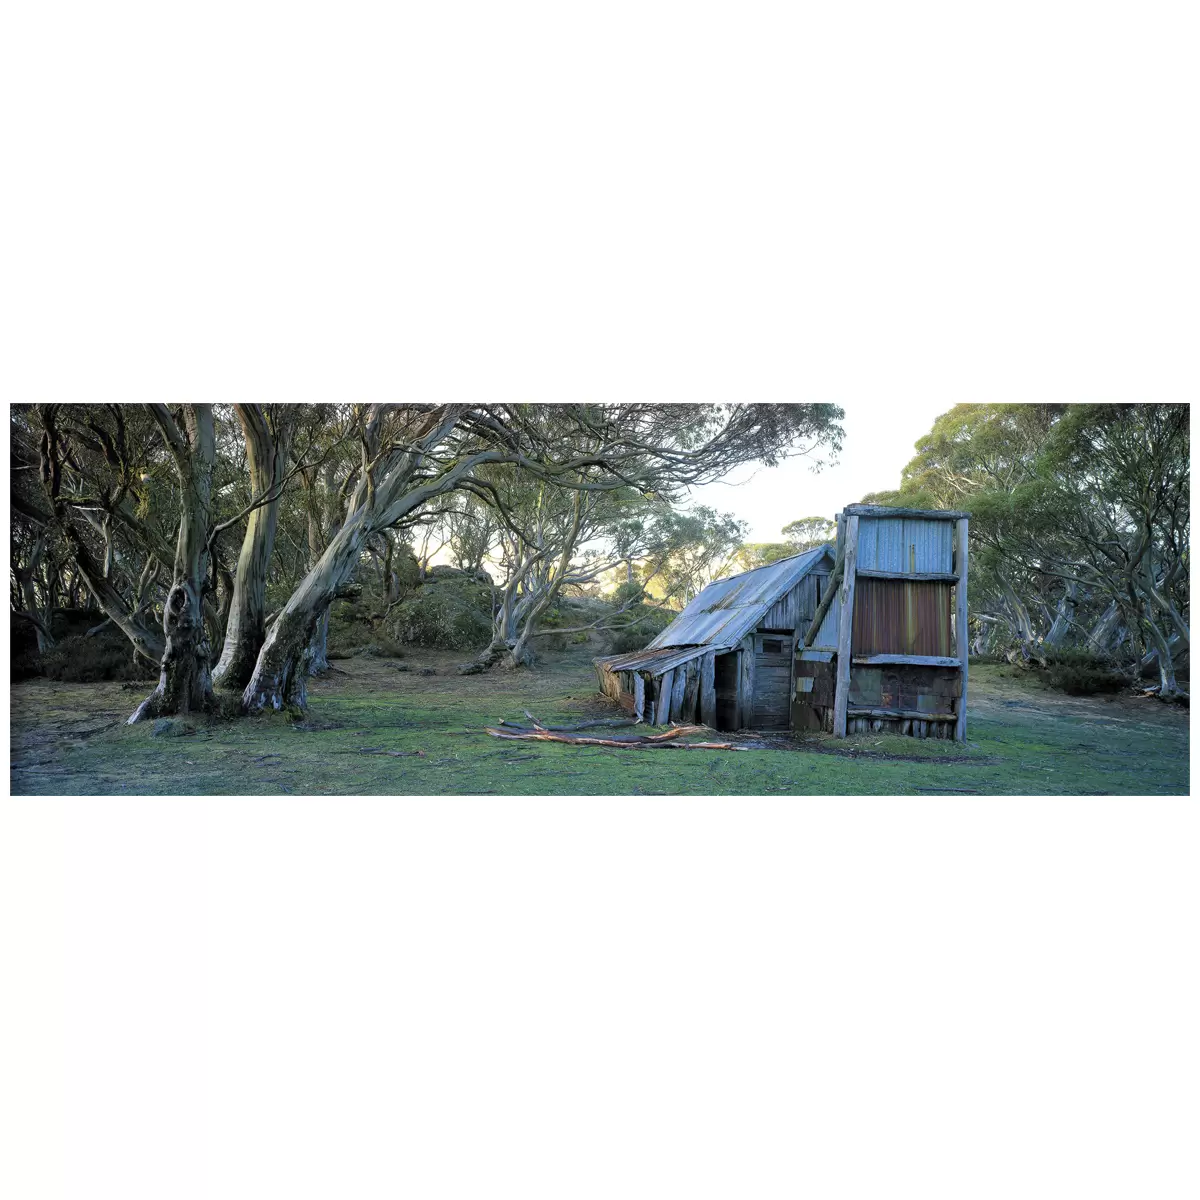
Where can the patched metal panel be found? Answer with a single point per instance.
(908, 544)
(895, 617)
(910, 688)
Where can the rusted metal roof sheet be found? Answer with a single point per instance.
(653, 662)
(914, 545)
(728, 609)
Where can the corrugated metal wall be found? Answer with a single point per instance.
(911, 545)
(894, 617)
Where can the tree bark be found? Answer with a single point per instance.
(185, 678)
(1063, 617)
(245, 629)
(278, 679)
(25, 577)
(1166, 663)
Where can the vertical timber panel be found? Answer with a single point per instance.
(749, 680)
(845, 625)
(639, 696)
(662, 707)
(691, 691)
(708, 691)
(961, 638)
(677, 689)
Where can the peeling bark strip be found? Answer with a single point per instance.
(662, 741)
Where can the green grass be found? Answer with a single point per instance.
(71, 739)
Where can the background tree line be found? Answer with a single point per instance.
(215, 542)
(215, 539)
(1080, 530)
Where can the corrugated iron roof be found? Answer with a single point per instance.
(728, 609)
(655, 662)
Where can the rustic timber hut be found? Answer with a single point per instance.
(726, 660)
(887, 649)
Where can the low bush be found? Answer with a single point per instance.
(1076, 672)
(23, 662)
(449, 611)
(1079, 673)
(107, 656)
(647, 624)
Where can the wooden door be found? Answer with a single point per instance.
(772, 699)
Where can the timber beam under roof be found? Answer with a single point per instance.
(881, 510)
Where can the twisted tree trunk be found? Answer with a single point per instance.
(185, 678)
(245, 629)
(278, 678)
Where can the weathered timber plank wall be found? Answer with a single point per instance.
(772, 681)
(678, 686)
(708, 691)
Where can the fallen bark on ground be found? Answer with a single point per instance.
(612, 722)
(665, 740)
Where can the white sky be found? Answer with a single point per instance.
(878, 443)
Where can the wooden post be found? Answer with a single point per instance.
(962, 639)
(677, 689)
(845, 628)
(662, 707)
(708, 691)
(744, 687)
(691, 691)
(639, 695)
(839, 563)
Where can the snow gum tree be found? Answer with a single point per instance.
(185, 678)
(267, 432)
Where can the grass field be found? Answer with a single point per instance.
(70, 739)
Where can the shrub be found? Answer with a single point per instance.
(106, 656)
(1076, 672)
(447, 612)
(648, 623)
(627, 641)
(626, 592)
(23, 663)
(1079, 673)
